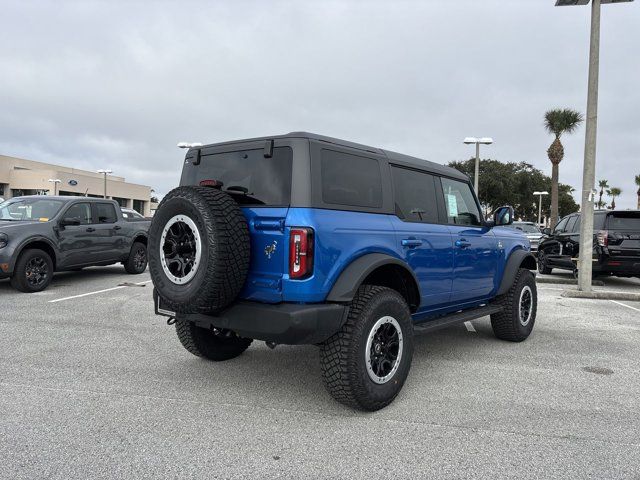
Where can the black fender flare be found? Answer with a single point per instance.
(516, 260)
(347, 284)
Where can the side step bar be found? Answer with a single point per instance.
(454, 318)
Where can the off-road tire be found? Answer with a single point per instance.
(506, 323)
(218, 345)
(132, 265)
(19, 279)
(225, 254)
(543, 268)
(342, 356)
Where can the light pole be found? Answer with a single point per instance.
(589, 168)
(55, 182)
(478, 142)
(105, 173)
(540, 194)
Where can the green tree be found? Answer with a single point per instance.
(613, 193)
(558, 122)
(513, 184)
(638, 192)
(602, 184)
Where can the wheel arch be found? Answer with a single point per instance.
(376, 269)
(36, 242)
(517, 260)
(140, 237)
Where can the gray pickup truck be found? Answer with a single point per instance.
(40, 235)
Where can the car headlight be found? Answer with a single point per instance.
(4, 240)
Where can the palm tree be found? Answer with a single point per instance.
(638, 192)
(613, 193)
(558, 122)
(602, 184)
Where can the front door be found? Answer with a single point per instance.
(426, 244)
(475, 247)
(75, 242)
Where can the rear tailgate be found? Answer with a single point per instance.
(268, 247)
(623, 235)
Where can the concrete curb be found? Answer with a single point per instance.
(602, 295)
(566, 281)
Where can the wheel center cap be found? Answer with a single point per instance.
(377, 348)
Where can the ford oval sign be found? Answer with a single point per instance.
(73, 183)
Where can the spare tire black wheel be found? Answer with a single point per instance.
(198, 250)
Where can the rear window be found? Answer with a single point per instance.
(350, 180)
(624, 221)
(247, 175)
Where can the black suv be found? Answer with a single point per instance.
(616, 244)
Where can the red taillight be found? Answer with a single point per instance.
(300, 252)
(603, 238)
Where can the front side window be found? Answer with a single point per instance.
(106, 213)
(459, 202)
(571, 224)
(247, 175)
(560, 227)
(350, 180)
(80, 212)
(415, 195)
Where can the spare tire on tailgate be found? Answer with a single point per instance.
(198, 250)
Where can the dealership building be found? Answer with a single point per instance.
(26, 177)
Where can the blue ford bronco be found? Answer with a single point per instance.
(306, 239)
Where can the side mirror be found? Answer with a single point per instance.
(546, 231)
(70, 222)
(503, 216)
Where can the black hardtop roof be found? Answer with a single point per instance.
(393, 157)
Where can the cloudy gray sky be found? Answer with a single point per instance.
(118, 84)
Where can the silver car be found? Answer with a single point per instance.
(531, 231)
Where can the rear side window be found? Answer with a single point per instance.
(247, 175)
(106, 213)
(415, 195)
(350, 180)
(460, 204)
(81, 212)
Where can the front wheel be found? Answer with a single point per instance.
(33, 271)
(543, 266)
(365, 364)
(519, 306)
(212, 344)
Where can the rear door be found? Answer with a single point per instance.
(424, 241)
(111, 243)
(258, 175)
(475, 246)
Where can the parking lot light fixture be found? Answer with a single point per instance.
(585, 266)
(55, 182)
(105, 172)
(540, 194)
(477, 142)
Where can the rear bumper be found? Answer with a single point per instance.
(623, 267)
(284, 323)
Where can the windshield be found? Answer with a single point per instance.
(20, 209)
(526, 227)
(248, 176)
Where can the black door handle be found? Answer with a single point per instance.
(117, 227)
(91, 229)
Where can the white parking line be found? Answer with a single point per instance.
(470, 327)
(625, 305)
(94, 293)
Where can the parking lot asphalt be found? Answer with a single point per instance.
(93, 385)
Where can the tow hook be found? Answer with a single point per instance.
(271, 345)
(171, 320)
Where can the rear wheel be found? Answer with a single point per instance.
(137, 261)
(366, 363)
(33, 271)
(213, 344)
(519, 306)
